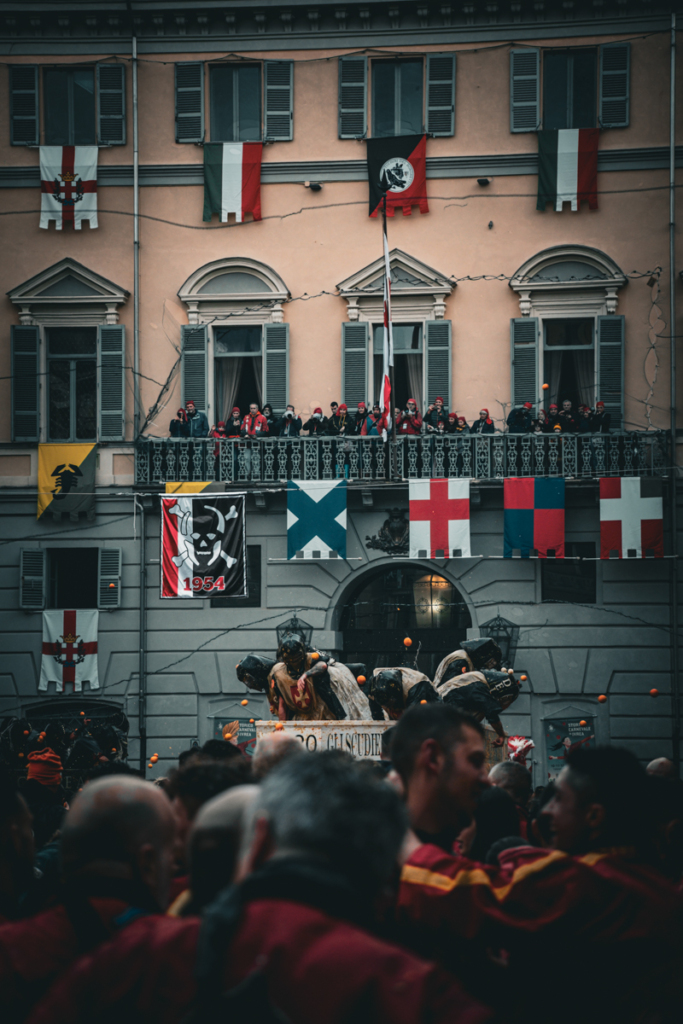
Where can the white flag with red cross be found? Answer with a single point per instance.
(70, 649)
(439, 518)
(68, 185)
(631, 517)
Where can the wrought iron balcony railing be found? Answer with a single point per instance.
(482, 457)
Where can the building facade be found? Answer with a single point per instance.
(108, 330)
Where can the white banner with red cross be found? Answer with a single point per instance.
(439, 518)
(70, 649)
(68, 184)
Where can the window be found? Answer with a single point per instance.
(569, 88)
(579, 88)
(409, 97)
(72, 383)
(248, 102)
(569, 360)
(82, 106)
(563, 579)
(238, 369)
(408, 363)
(72, 578)
(253, 584)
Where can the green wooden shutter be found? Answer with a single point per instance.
(23, 93)
(195, 369)
(438, 361)
(276, 366)
(32, 578)
(108, 572)
(524, 90)
(524, 361)
(615, 59)
(354, 363)
(610, 389)
(353, 97)
(25, 392)
(279, 100)
(111, 104)
(189, 102)
(440, 118)
(111, 381)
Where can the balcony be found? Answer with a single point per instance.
(360, 459)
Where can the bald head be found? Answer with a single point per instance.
(514, 778)
(215, 841)
(121, 826)
(663, 767)
(271, 750)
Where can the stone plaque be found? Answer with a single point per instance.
(362, 739)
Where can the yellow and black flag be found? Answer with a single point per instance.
(194, 486)
(66, 479)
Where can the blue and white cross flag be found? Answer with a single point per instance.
(316, 519)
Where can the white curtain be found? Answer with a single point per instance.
(227, 373)
(414, 366)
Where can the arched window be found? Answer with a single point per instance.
(403, 601)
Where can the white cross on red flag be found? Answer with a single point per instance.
(70, 649)
(631, 517)
(439, 518)
(68, 185)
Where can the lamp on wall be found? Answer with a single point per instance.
(297, 626)
(506, 635)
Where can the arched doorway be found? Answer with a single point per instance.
(403, 601)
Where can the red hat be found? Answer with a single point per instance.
(552, 406)
(439, 399)
(45, 767)
(318, 409)
(452, 416)
(236, 409)
(189, 402)
(542, 411)
(412, 400)
(483, 410)
(344, 407)
(180, 412)
(527, 405)
(361, 405)
(221, 423)
(461, 419)
(599, 405)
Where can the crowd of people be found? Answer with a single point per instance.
(369, 421)
(308, 887)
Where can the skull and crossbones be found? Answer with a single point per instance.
(200, 537)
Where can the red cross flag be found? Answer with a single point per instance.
(439, 518)
(68, 185)
(631, 517)
(70, 650)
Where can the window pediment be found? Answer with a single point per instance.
(229, 286)
(568, 280)
(418, 291)
(68, 293)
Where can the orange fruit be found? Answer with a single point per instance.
(244, 703)
(654, 692)
(407, 642)
(582, 722)
(602, 699)
(423, 702)
(361, 679)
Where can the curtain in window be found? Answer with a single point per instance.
(553, 370)
(584, 363)
(414, 367)
(228, 373)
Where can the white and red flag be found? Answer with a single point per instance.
(439, 518)
(68, 183)
(70, 649)
(631, 517)
(388, 343)
(203, 552)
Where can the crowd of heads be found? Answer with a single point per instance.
(384, 852)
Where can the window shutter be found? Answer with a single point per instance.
(23, 90)
(32, 578)
(441, 94)
(111, 105)
(279, 115)
(189, 102)
(25, 393)
(111, 381)
(195, 370)
(610, 389)
(615, 59)
(276, 366)
(524, 361)
(353, 97)
(438, 360)
(109, 578)
(524, 90)
(354, 363)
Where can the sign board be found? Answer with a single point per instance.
(561, 737)
(362, 739)
(246, 738)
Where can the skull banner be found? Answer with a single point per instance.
(203, 546)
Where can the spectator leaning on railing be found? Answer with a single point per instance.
(197, 421)
(254, 423)
(519, 420)
(317, 424)
(340, 422)
(436, 414)
(290, 424)
(234, 425)
(484, 425)
(410, 421)
(179, 426)
(361, 417)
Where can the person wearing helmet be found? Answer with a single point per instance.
(472, 655)
(395, 689)
(304, 686)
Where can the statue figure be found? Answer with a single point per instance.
(394, 689)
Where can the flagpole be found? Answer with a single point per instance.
(393, 452)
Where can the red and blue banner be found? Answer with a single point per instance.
(534, 517)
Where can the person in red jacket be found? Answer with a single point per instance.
(292, 941)
(254, 423)
(590, 908)
(410, 421)
(117, 854)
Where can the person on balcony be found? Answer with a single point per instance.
(600, 419)
(584, 424)
(484, 425)
(290, 424)
(233, 427)
(451, 423)
(340, 423)
(410, 421)
(553, 417)
(271, 418)
(519, 420)
(374, 423)
(198, 425)
(179, 426)
(361, 417)
(254, 423)
(317, 424)
(219, 432)
(436, 413)
(568, 418)
(540, 425)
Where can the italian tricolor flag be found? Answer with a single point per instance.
(232, 179)
(568, 168)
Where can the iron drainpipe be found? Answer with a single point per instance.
(136, 247)
(142, 684)
(675, 680)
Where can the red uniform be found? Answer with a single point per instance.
(317, 969)
(409, 424)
